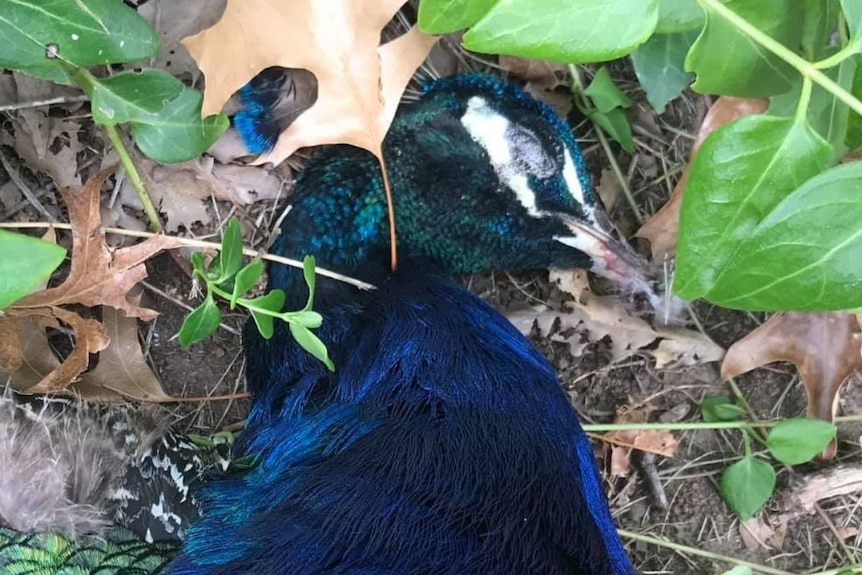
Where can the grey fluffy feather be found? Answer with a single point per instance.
(61, 460)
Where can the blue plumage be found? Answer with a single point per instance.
(443, 443)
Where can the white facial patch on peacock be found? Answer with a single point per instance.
(491, 130)
(516, 152)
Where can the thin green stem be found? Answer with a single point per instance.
(803, 66)
(698, 425)
(846, 52)
(87, 82)
(134, 176)
(804, 99)
(701, 553)
(577, 91)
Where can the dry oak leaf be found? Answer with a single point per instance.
(661, 229)
(359, 82)
(591, 318)
(98, 276)
(122, 371)
(823, 346)
(656, 441)
(89, 338)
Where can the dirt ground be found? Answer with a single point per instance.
(695, 514)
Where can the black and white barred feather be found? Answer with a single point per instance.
(73, 467)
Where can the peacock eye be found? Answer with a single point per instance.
(528, 153)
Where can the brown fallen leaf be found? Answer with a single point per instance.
(122, 371)
(823, 346)
(359, 82)
(98, 276)
(591, 318)
(661, 229)
(655, 441)
(762, 532)
(541, 73)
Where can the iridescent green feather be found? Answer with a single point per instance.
(114, 551)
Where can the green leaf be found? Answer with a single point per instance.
(819, 21)
(743, 170)
(129, 96)
(312, 344)
(200, 323)
(805, 254)
(853, 140)
(444, 16)
(198, 263)
(615, 123)
(568, 31)
(272, 302)
(230, 254)
(245, 279)
(307, 318)
(729, 63)
(308, 265)
(719, 408)
(747, 485)
(659, 65)
(799, 440)
(25, 262)
(83, 34)
(178, 133)
(678, 16)
(853, 15)
(740, 570)
(828, 115)
(605, 94)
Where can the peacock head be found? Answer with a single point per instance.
(483, 177)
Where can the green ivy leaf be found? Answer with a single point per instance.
(25, 262)
(605, 95)
(564, 30)
(200, 323)
(820, 20)
(729, 63)
(747, 485)
(743, 171)
(312, 344)
(853, 15)
(83, 34)
(805, 253)
(719, 408)
(444, 16)
(799, 440)
(828, 115)
(740, 570)
(659, 65)
(245, 279)
(130, 96)
(307, 318)
(178, 133)
(678, 16)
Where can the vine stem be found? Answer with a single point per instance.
(802, 65)
(134, 176)
(703, 553)
(87, 83)
(390, 208)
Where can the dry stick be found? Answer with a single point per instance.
(40, 103)
(186, 242)
(31, 197)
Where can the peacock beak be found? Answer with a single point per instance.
(612, 258)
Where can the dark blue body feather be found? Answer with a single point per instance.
(443, 443)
